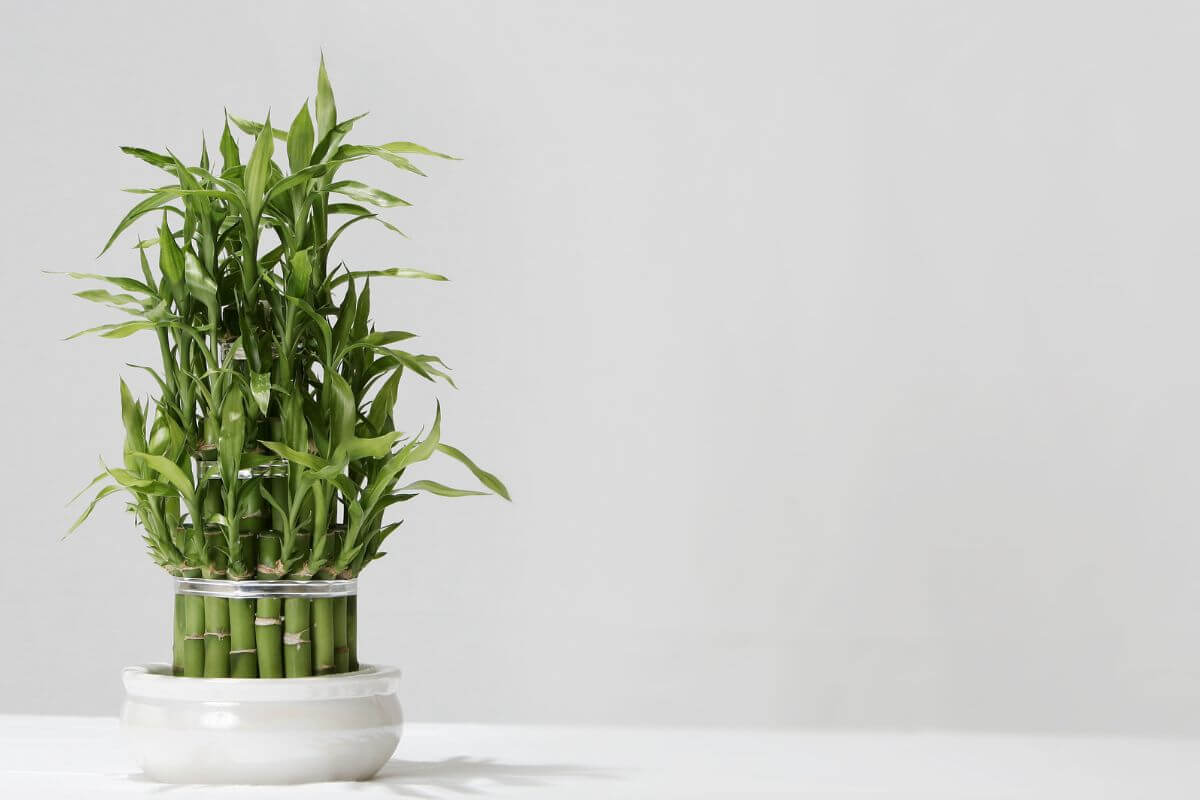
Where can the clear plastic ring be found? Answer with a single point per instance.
(246, 590)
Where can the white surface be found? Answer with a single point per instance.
(841, 356)
(79, 757)
(261, 731)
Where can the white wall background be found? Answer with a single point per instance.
(842, 357)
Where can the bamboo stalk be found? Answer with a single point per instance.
(268, 619)
(323, 642)
(297, 638)
(243, 657)
(216, 625)
(193, 609)
(341, 642)
(297, 625)
(179, 632)
(352, 631)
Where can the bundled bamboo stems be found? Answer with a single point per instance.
(270, 450)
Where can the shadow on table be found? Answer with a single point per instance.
(472, 776)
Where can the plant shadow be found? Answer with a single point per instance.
(473, 776)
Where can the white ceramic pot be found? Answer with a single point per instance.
(260, 731)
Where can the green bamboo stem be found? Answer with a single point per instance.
(243, 655)
(297, 638)
(323, 636)
(216, 624)
(268, 620)
(179, 631)
(341, 642)
(352, 631)
(193, 608)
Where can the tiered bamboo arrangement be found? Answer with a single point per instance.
(270, 451)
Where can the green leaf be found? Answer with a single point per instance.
(150, 157)
(367, 194)
(374, 447)
(384, 402)
(427, 445)
(104, 296)
(256, 128)
(299, 274)
(171, 471)
(300, 140)
(121, 282)
(232, 436)
(152, 203)
(433, 487)
(257, 170)
(348, 150)
(390, 272)
(260, 389)
(87, 512)
(484, 477)
(134, 420)
(201, 285)
(412, 147)
(117, 330)
(343, 411)
(326, 109)
(170, 261)
(230, 156)
(291, 454)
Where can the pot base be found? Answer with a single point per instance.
(261, 731)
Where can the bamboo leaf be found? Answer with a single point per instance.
(291, 454)
(348, 150)
(104, 296)
(374, 447)
(257, 170)
(356, 190)
(260, 389)
(171, 471)
(326, 109)
(256, 128)
(121, 282)
(203, 287)
(343, 411)
(412, 147)
(384, 402)
(152, 203)
(87, 512)
(390, 272)
(113, 330)
(299, 274)
(300, 140)
(483, 476)
(429, 444)
(232, 436)
(433, 487)
(230, 156)
(154, 159)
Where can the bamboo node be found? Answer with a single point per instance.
(262, 621)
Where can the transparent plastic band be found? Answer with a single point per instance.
(246, 590)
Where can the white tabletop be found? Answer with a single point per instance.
(75, 757)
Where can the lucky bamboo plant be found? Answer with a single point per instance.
(270, 450)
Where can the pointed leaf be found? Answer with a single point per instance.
(171, 471)
(356, 190)
(486, 478)
(300, 140)
(433, 487)
(326, 109)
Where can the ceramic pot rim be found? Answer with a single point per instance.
(155, 681)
